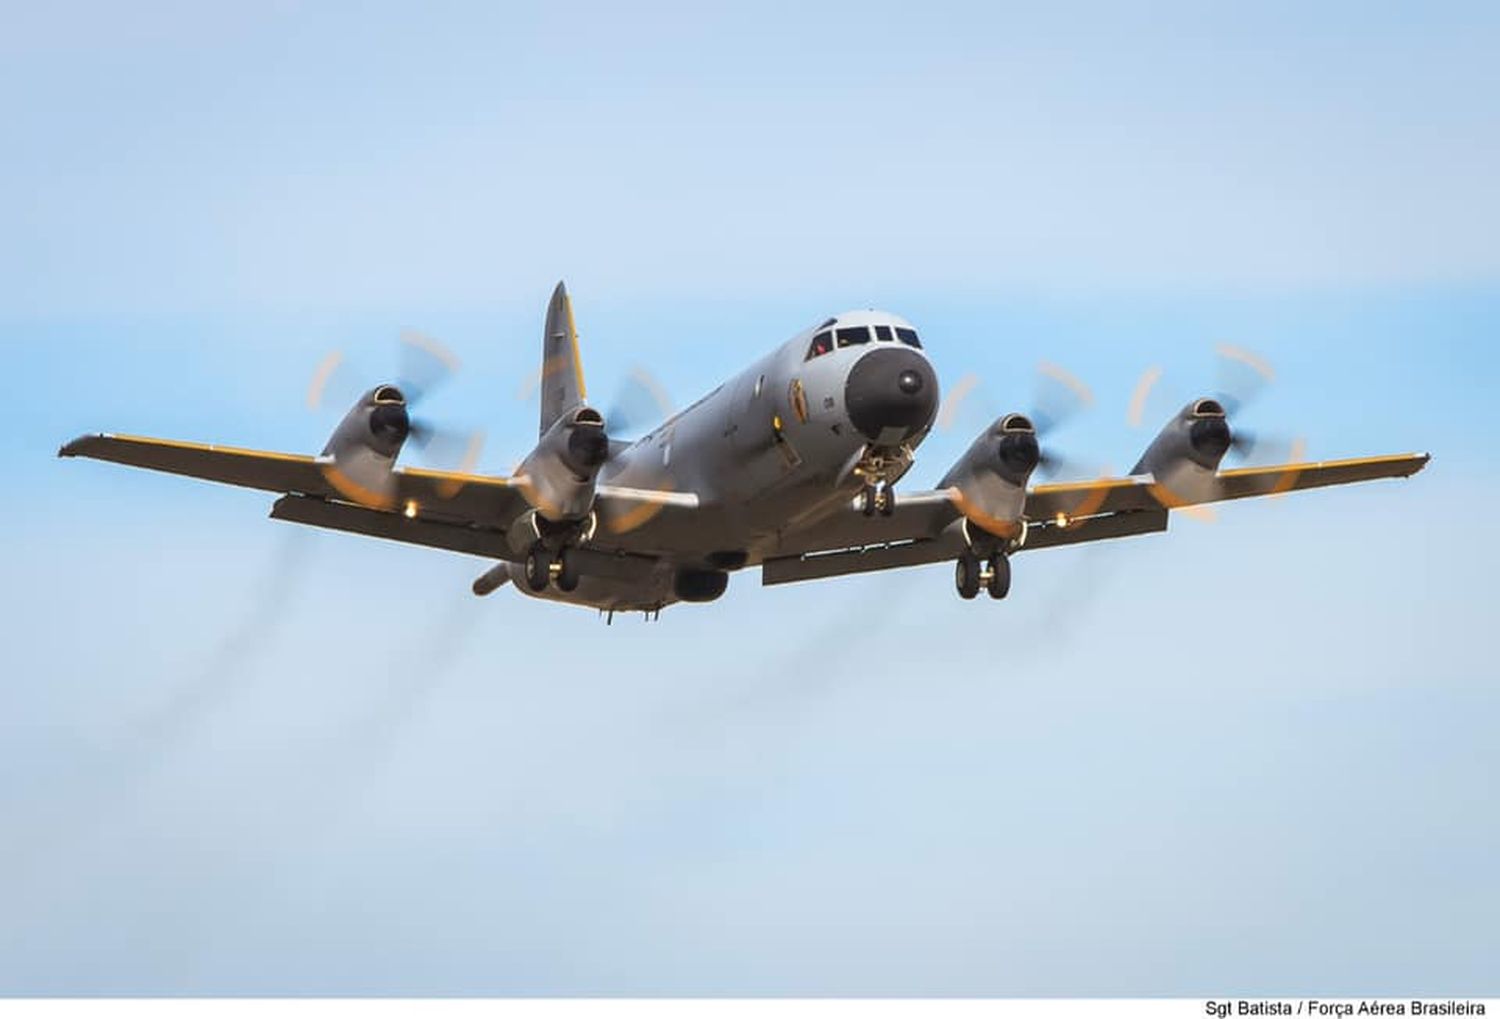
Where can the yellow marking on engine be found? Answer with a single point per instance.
(351, 489)
(1168, 499)
(994, 525)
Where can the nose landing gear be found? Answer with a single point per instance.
(880, 468)
(993, 575)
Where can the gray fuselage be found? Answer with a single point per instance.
(770, 452)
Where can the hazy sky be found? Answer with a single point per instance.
(1249, 757)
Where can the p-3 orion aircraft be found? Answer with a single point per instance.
(791, 466)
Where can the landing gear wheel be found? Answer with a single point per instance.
(538, 567)
(998, 583)
(567, 570)
(869, 499)
(887, 501)
(966, 576)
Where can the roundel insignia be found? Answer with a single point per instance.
(799, 400)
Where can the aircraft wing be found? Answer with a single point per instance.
(437, 494)
(927, 527)
(1112, 495)
(469, 513)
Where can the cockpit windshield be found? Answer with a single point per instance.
(828, 340)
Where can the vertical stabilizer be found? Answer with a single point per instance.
(562, 371)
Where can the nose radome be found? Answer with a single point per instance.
(891, 395)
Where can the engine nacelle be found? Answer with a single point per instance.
(992, 475)
(361, 454)
(1184, 457)
(559, 476)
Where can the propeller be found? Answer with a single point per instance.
(640, 400)
(424, 365)
(1058, 396)
(1242, 377)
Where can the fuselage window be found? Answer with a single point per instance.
(850, 337)
(821, 344)
(883, 334)
(908, 337)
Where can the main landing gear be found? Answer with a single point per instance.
(880, 500)
(971, 573)
(543, 567)
(553, 558)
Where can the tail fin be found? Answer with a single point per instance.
(562, 386)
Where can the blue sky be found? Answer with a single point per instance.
(1248, 757)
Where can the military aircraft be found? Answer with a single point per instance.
(790, 466)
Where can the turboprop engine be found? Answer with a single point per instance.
(558, 478)
(360, 456)
(990, 478)
(1184, 457)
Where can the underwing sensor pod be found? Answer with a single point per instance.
(789, 466)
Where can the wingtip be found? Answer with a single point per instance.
(75, 447)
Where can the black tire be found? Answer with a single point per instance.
(999, 582)
(966, 576)
(567, 573)
(867, 501)
(888, 502)
(538, 567)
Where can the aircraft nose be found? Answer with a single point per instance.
(891, 394)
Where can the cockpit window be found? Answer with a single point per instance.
(821, 344)
(850, 337)
(883, 334)
(908, 337)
